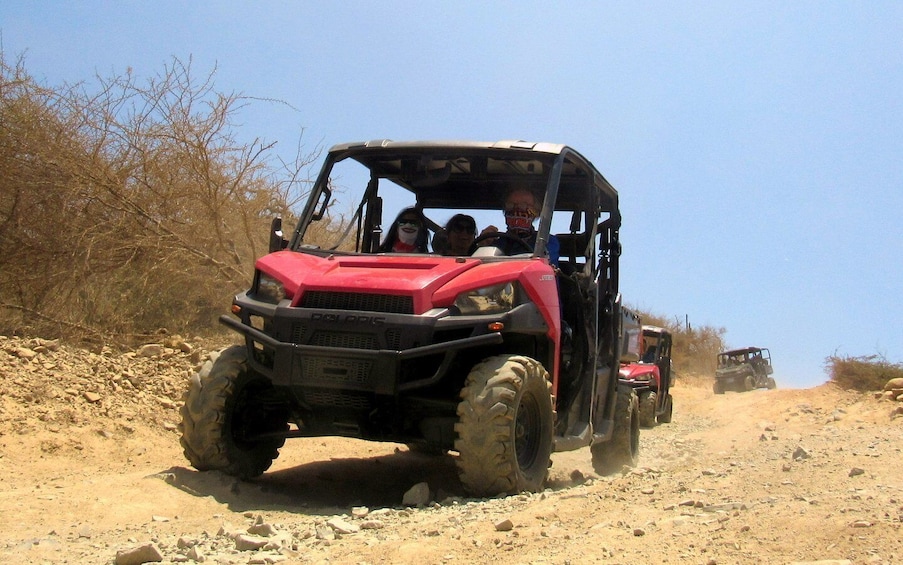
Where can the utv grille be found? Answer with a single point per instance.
(350, 340)
(393, 339)
(298, 332)
(344, 339)
(336, 371)
(389, 303)
(334, 399)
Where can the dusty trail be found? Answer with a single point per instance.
(761, 477)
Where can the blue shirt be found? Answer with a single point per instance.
(553, 247)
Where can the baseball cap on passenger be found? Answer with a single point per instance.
(462, 223)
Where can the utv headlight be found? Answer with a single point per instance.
(269, 289)
(493, 299)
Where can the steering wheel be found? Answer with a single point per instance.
(504, 235)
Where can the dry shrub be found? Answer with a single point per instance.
(130, 206)
(694, 350)
(865, 373)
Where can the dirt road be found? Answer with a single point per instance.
(91, 468)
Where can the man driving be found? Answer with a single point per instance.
(521, 209)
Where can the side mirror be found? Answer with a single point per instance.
(277, 242)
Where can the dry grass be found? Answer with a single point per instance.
(130, 206)
(694, 350)
(867, 373)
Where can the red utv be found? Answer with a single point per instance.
(499, 359)
(649, 374)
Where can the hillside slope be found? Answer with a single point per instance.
(90, 466)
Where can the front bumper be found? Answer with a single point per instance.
(365, 352)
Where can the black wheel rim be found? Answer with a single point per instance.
(527, 431)
(249, 420)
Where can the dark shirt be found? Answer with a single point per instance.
(553, 246)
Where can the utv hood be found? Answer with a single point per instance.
(639, 372)
(416, 276)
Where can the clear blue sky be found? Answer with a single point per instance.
(757, 146)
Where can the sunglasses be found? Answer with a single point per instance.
(409, 222)
(463, 228)
(520, 211)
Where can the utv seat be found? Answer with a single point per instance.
(572, 251)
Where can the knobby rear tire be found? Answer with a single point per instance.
(623, 448)
(749, 383)
(647, 402)
(665, 416)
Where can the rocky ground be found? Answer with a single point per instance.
(91, 472)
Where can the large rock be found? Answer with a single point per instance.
(340, 526)
(25, 353)
(893, 384)
(147, 553)
(248, 542)
(417, 495)
(150, 350)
